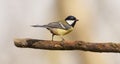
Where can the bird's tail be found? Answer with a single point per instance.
(39, 26)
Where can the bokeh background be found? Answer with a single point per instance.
(99, 21)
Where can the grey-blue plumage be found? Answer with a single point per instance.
(54, 25)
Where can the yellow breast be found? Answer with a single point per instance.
(61, 31)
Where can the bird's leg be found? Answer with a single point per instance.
(62, 39)
(52, 37)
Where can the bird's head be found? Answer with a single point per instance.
(71, 20)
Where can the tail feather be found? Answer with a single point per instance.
(38, 25)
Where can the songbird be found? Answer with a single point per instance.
(60, 28)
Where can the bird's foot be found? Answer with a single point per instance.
(63, 40)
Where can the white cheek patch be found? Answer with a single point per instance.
(70, 22)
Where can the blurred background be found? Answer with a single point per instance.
(99, 21)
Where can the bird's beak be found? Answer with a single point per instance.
(77, 20)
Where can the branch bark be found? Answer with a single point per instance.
(68, 45)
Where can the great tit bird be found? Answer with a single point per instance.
(60, 28)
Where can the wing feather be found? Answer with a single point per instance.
(58, 25)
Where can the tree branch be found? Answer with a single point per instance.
(67, 45)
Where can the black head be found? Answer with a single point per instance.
(71, 18)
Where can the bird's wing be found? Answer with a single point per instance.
(58, 25)
(54, 25)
